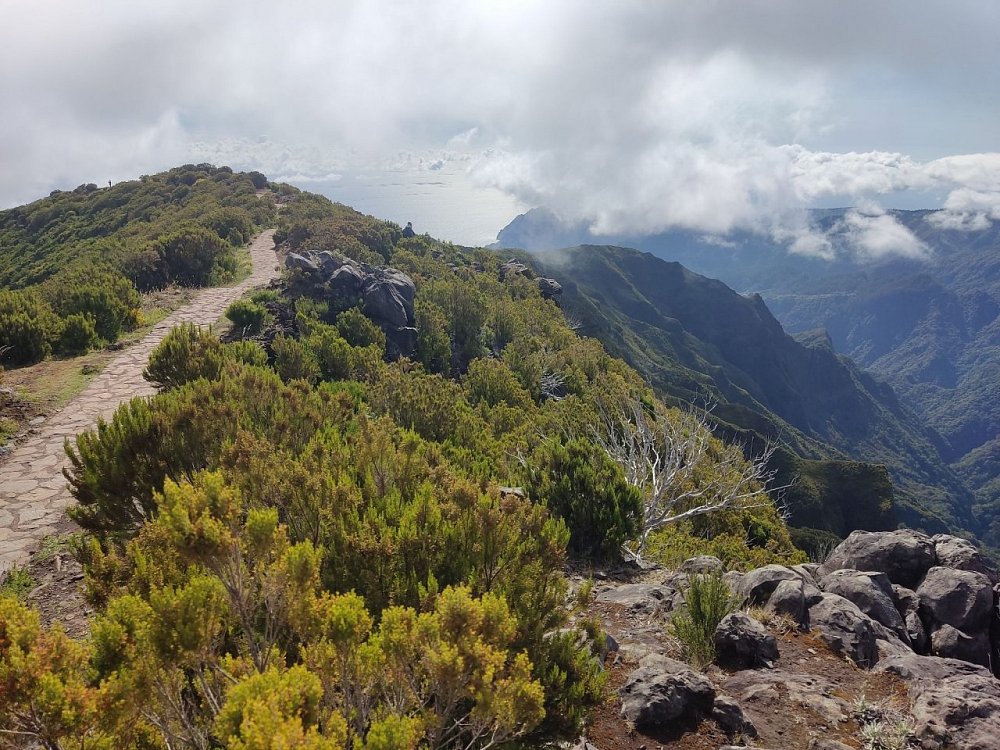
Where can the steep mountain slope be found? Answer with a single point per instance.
(696, 339)
(929, 326)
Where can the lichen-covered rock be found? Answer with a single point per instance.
(871, 592)
(960, 598)
(845, 629)
(952, 643)
(743, 643)
(639, 598)
(955, 704)
(758, 585)
(961, 554)
(663, 691)
(549, 288)
(702, 564)
(903, 555)
(298, 262)
(788, 598)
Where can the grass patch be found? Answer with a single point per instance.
(706, 601)
(18, 583)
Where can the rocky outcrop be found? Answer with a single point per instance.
(904, 555)
(384, 294)
(845, 629)
(662, 691)
(743, 643)
(955, 704)
(871, 592)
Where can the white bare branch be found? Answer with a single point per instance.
(666, 456)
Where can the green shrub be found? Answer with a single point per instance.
(247, 316)
(187, 352)
(577, 482)
(246, 352)
(78, 335)
(433, 344)
(293, 361)
(107, 297)
(27, 328)
(358, 330)
(196, 256)
(707, 600)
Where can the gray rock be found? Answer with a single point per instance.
(908, 605)
(814, 692)
(871, 592)
(639, 598)
(903, 555)
(960, 598)
(549, 288)
(954, 644)
(823, 744)
(788, 599)
(300, 262)
(346, 282)
(807, 571)
(729, 715)
(663, 691)
(758, 585)
(514, 268)
(845, 629)
(961, 554)
(743, 643)
(955, 704)
(702, 564)
(388, 298)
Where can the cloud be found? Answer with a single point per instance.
(632, 116)
(874, 234)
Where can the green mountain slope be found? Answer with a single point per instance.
(696, 339)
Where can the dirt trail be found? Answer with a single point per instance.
(33, 491)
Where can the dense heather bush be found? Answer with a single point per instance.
(27, 328)
(78, 335)
(580, 484)
(187, 353)
(247, 316)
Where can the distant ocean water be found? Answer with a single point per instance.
(445, 204)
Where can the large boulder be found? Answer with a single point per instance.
(903, 555)
(345, 283)
(788, 598)
(705, 564)
(639, 598)
(758, 585)
(960, 598)
(961, 554)
(388, 298)
(743, 643)
(955, 704)
(845, 629)
(294, 261)
(549, 288)
(871, 592)
(663, 691)
(952, 643)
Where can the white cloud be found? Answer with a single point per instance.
(633, 116)
(875, 234)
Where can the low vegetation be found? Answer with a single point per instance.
(72, 265)
(312, 546)
(707, 600)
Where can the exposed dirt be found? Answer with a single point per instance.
(58, 593)
(786, 716)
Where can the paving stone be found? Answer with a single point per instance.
(33, 492)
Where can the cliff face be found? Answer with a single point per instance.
(696, 339)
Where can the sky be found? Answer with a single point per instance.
(632, 116)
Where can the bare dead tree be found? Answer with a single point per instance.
(665, 456)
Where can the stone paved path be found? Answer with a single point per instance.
(33, 492)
